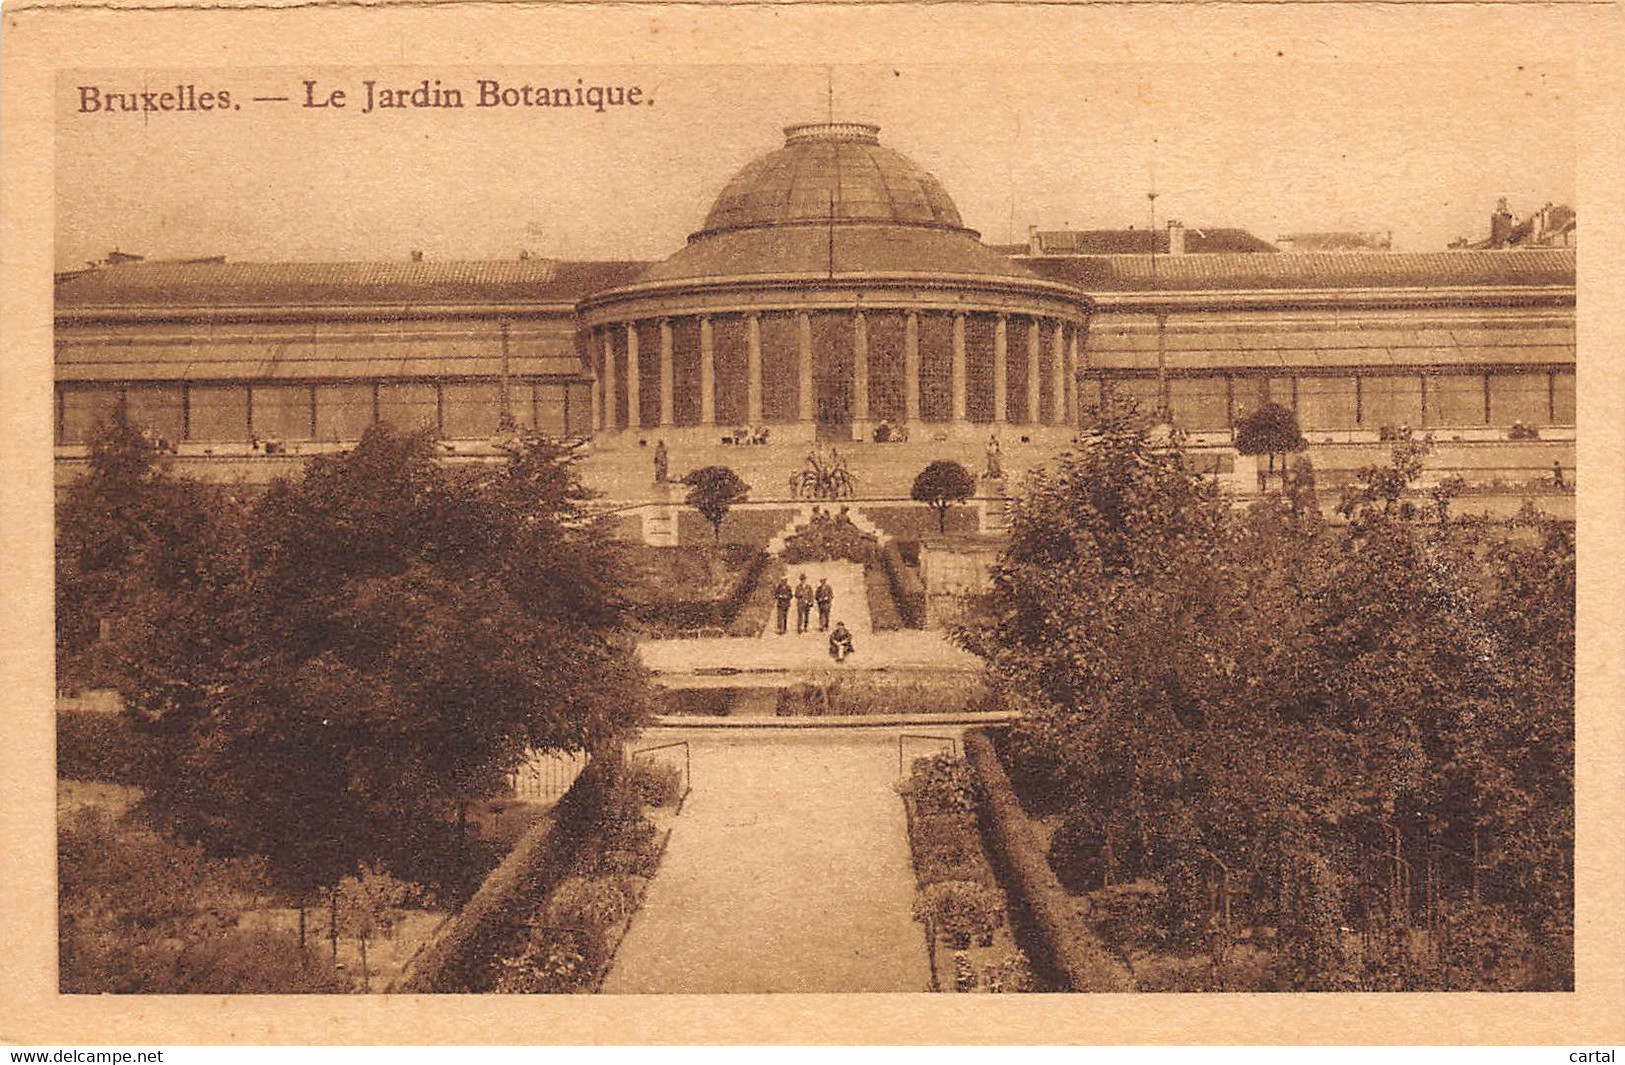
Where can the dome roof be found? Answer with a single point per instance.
(832, 169)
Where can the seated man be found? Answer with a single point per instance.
(840, 642)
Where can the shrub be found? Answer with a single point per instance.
(552, 961)
(907, 590)
(1010, 974)
(97, 746)
(582, 903)
(1077, 852)
(942, 784)
(961, 910)
(949, 847)
(655, 784)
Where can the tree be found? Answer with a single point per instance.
(387, 639)
(1270, 430)
(713, 490)
(942, 484)
(124, 531)
(1311, 709)
(369, 905)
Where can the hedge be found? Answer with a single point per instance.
(1063, 946)
(540, 859)
(669, 613)
(906, 587)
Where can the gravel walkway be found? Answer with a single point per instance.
(787, 871)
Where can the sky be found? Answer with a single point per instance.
(1421, 150)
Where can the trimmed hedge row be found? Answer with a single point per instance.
(907, 590)
(539, 860)
(1069, 952)
(670, 614)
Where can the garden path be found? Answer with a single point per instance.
(788, 871)
(851, 602)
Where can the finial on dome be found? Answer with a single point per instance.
(856, 132)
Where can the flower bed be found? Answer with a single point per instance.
(549, 919)
(958, 899)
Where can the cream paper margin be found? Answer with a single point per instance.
(39, 40)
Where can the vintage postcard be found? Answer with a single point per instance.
(903, 524)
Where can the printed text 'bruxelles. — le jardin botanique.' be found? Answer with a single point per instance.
(367, 96)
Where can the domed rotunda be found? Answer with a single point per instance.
(833, 287)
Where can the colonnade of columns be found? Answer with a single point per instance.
(614, 352)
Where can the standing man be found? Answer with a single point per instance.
(781, 600)
(823, 595)
(804, 603)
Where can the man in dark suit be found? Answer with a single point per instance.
(781, 599)
(804, 604)
(824, 596)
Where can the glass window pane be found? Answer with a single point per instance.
(343, 412)
(1563, 399)
(1519, 397)
(282, 412)
(550, 409)
(83, 409)
(409, 405)
(1199, 403)
(1391, 401)
(1326, 403)
(218, 414)
(1456, 399)
(1146, 392)
(473, 408)
(159, 409)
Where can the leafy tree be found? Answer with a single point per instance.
(125, 530)
(1270, 430)
(942, 484)
(385, 639)
(369, 905)
(713, 490)
(1302, 711)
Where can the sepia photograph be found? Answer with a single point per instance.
(800, 530)
(1041, 541)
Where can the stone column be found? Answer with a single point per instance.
(595, 357)
(612, 414)
(860, 374)
(1034, 348)
(1073, 417)
(911, 369)
(708, 373)
(667, 374)
(1001, 369)
(753, 369)
(959, 415)
(804, 374)
(634, 400)
(1057, 376)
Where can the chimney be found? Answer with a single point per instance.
(1034, 245)
(417, 256)
(1176, 237)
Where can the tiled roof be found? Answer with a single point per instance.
(1138, 241)
(394, 283)
(1239, 272)
(807, 249)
